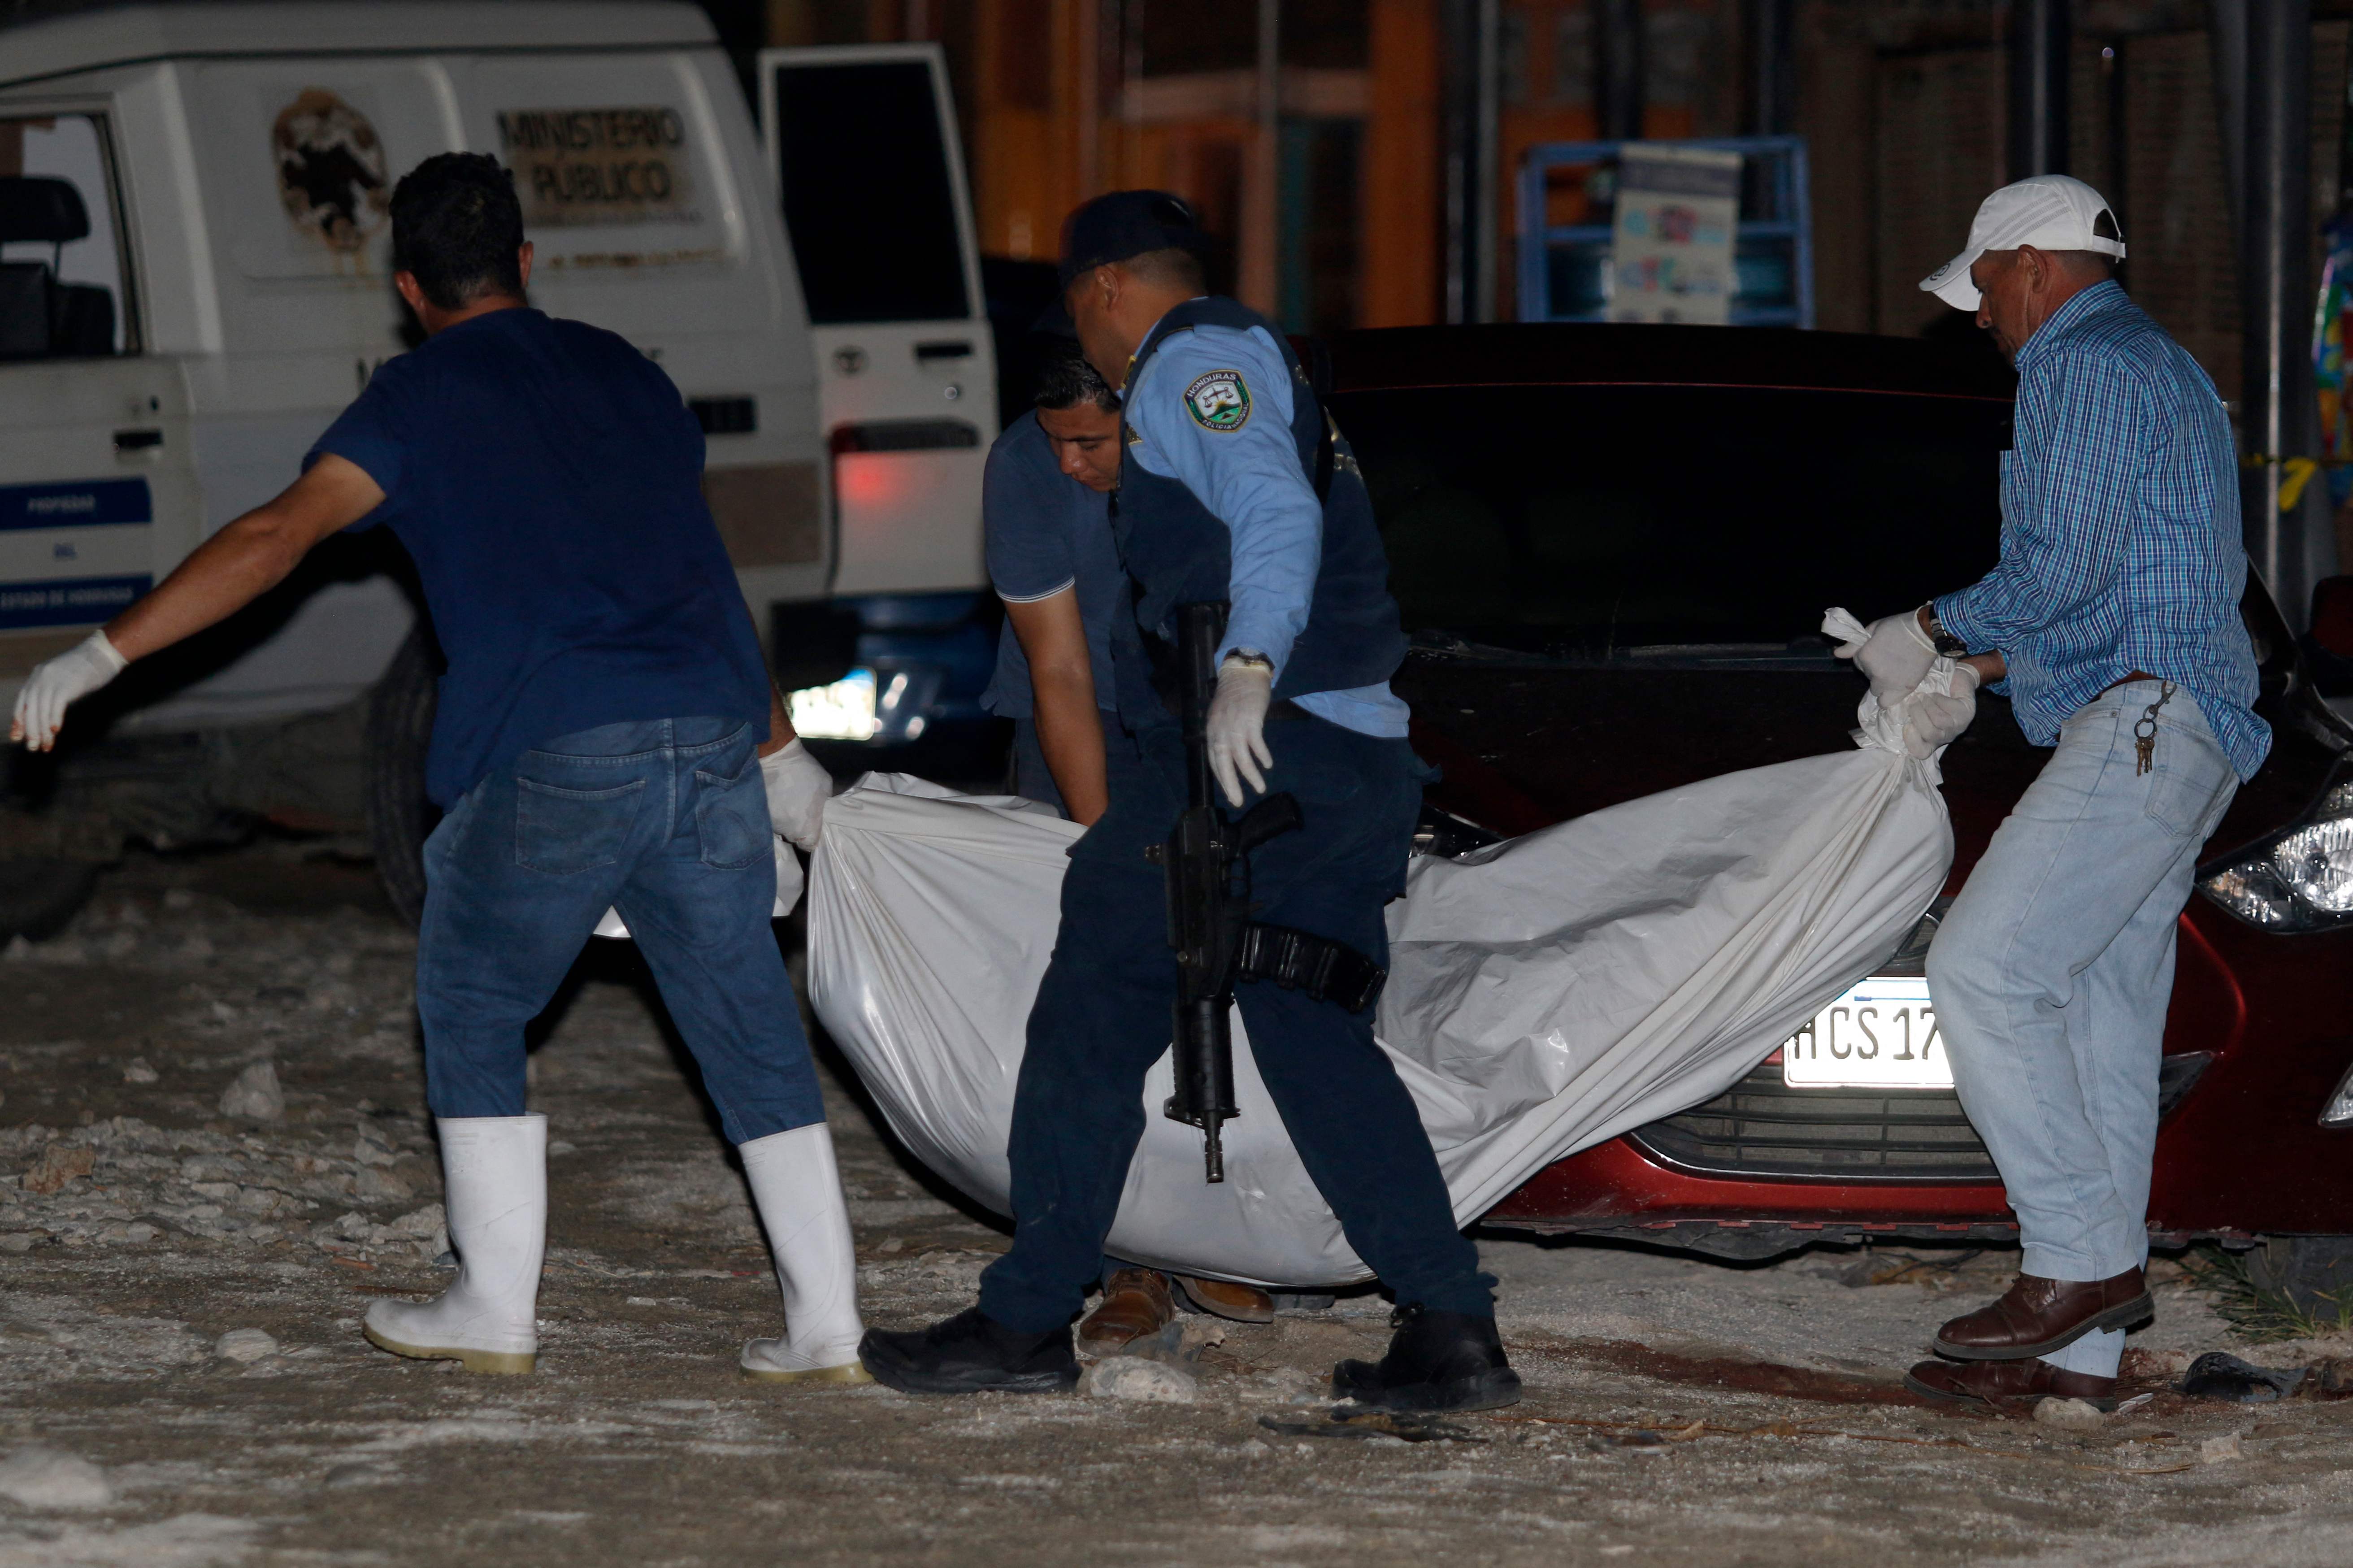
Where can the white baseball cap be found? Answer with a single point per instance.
(2049, 212)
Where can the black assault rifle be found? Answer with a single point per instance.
(1206, 861)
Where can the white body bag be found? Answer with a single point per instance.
(1544, 994)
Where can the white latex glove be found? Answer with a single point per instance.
(72, 675)
(1933, 719)
(1893, 652)
(790, 883)
(1238, 728)
(799, 786)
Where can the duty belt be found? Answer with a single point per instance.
(1162, 655)
(1325, 970)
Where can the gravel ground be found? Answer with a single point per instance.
(213, 1154)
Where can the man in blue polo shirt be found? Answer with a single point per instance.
(594, 746)
(1046, 505)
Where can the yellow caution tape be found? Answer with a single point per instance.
(2295, 474)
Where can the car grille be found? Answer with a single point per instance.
(1762, 1128)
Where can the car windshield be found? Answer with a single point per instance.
(1586, 520)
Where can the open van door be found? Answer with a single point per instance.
(98, 491)
(862, 143)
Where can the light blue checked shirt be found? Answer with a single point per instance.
(2121, 542)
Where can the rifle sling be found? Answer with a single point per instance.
(1327, 971)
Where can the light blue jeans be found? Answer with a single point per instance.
(2053, 974)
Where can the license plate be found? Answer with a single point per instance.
(844, 710)
(1882, 1034)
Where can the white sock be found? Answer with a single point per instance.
(2097, 1353)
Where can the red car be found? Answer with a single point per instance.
(1613, 546)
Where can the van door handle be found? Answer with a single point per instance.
(128, 441)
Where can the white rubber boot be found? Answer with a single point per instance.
(495, 1170)
(798, 1190)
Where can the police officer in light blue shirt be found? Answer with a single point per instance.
(1235, 487)
(1213, 407)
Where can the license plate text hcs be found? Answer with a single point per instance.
(1882, 1034)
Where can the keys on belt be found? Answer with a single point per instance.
(2145, 733)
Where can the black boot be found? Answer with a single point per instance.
(1437, 1361)
(971, 1353)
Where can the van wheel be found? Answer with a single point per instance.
(2316, 1272)
(400, 726)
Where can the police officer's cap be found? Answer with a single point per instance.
(1126, 224)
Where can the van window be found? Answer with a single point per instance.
(61, 294)
(867, 196)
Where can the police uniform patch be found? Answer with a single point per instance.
(1219, 402)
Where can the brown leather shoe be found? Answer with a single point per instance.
(1224, 1299)
(2036, 1315)
(1136, 1303)
(1994, 1382)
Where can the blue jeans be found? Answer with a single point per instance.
(666, 820)
(1103, 1018)
(2053, 974)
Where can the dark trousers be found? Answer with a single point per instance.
(1032, 779)
(666, 820)
(1103, 1018)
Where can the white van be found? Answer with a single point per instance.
(195, 280)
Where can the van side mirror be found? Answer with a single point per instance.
(2332, 614)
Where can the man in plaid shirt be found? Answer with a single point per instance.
(2113, 618)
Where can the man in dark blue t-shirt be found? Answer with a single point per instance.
(595, 745)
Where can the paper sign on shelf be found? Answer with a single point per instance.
(1671, 257)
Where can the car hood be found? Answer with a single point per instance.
(1525, 742)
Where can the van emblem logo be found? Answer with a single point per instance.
(330, 171)
(1218, 401)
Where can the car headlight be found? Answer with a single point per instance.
(2298, 880)
(2338, 1111)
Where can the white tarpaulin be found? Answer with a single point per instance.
(1545, 994)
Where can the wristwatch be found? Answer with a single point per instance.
(1251, 656)
(1947, 643)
